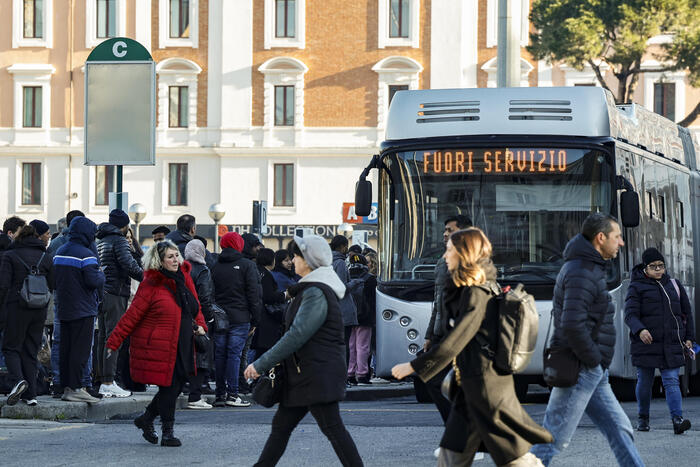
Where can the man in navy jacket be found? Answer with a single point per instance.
(79, 281)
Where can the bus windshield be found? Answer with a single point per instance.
(529, 201)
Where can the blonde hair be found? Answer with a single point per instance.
(472, 248)
(153, 259)
(372, 263)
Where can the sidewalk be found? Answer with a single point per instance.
(49, 408)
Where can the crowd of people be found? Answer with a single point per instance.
(178, 317)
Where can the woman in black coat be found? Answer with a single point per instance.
(24, 325)
(487, 402)
(271, 323)
(658, 313)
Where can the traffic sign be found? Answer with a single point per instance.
(120, 104)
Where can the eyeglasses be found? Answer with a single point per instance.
(656, 267)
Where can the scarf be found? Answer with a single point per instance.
(183, 296)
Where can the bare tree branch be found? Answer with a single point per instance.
(692, 116)
(599, 75)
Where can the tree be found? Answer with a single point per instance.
(615, 32)
(686, 49)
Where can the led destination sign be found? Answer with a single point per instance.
(493, 161)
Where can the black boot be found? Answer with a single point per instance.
(168, 438)
(144, 422)
(680, 425)
(643, 423)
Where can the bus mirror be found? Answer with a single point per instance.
(363, 197)
(629, 208)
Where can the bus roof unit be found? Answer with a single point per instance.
(585, 111)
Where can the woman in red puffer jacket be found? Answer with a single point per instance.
(162, 320)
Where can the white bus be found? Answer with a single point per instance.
(527, 165)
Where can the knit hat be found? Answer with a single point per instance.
(650, 255)
(195, 251)
(119, 218)
(41, 227)
(315, 250)
(232, 240)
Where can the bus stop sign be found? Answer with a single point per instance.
(120, 104)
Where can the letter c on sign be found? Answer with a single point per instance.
(116, 49)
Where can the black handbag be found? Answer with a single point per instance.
(268, 389)
(201, 341)
(221, 323)
(560, 366)
(450, 385)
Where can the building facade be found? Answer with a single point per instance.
(277, 100)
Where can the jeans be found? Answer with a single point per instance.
(228, 348)
(328, 418)
(593, 395)
(55, 355)
(672, 389)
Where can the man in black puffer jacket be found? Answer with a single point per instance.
(119, 267)
(583, 321)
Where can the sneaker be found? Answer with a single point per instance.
(235, 400)
(94, 392)
(377, 380)
(56, 392)
(436, 453)
(220, 401)
(680, 425)
(352, 380)
(112, 390)
(206, 389)
(30, 402)
(643, 423)
(200, 404)
(16, 392)
(78, 395)
(363, 381)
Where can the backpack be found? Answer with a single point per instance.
(518, 323)
(35, 291)
(356, 287)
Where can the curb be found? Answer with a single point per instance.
(49, 408)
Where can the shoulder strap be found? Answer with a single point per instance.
(675, 286)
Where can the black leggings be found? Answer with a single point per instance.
(164, 401)
(328, 418)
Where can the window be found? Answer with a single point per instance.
(178, 107)
(665, 100)
(33, 19)
(284, 105)
(105, 182)
(179, 18)
(284, 23)
(284, 185)
(106, 18)
(662, 209)
(680, 215)
(31, 114)
(398, 18)
(177, 185)
(285, 18)
(31, 183)
(178, 23)
(649, 208)
(399, 23)
(394, 88)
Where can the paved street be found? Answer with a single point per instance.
(391, 432)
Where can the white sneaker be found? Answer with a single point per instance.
(436, 453)
(377, 380)
(200, 404)
(78, 395)
(30, 402)
(236, 401)
(112, 390)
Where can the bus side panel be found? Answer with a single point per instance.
(392, 337)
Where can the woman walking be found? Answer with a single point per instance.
(313, 352)
(24, 324)
(658, 313)
(161, 321)
(487, 405)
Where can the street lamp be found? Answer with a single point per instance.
(216, 212)
(345, 229)
(137, 212)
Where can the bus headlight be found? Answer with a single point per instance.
(412, 334)
(405, 321)
(413, 349)
(387, 315)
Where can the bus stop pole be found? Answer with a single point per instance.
(120, 178)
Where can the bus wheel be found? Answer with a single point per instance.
(521, 385)
(623, 388)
